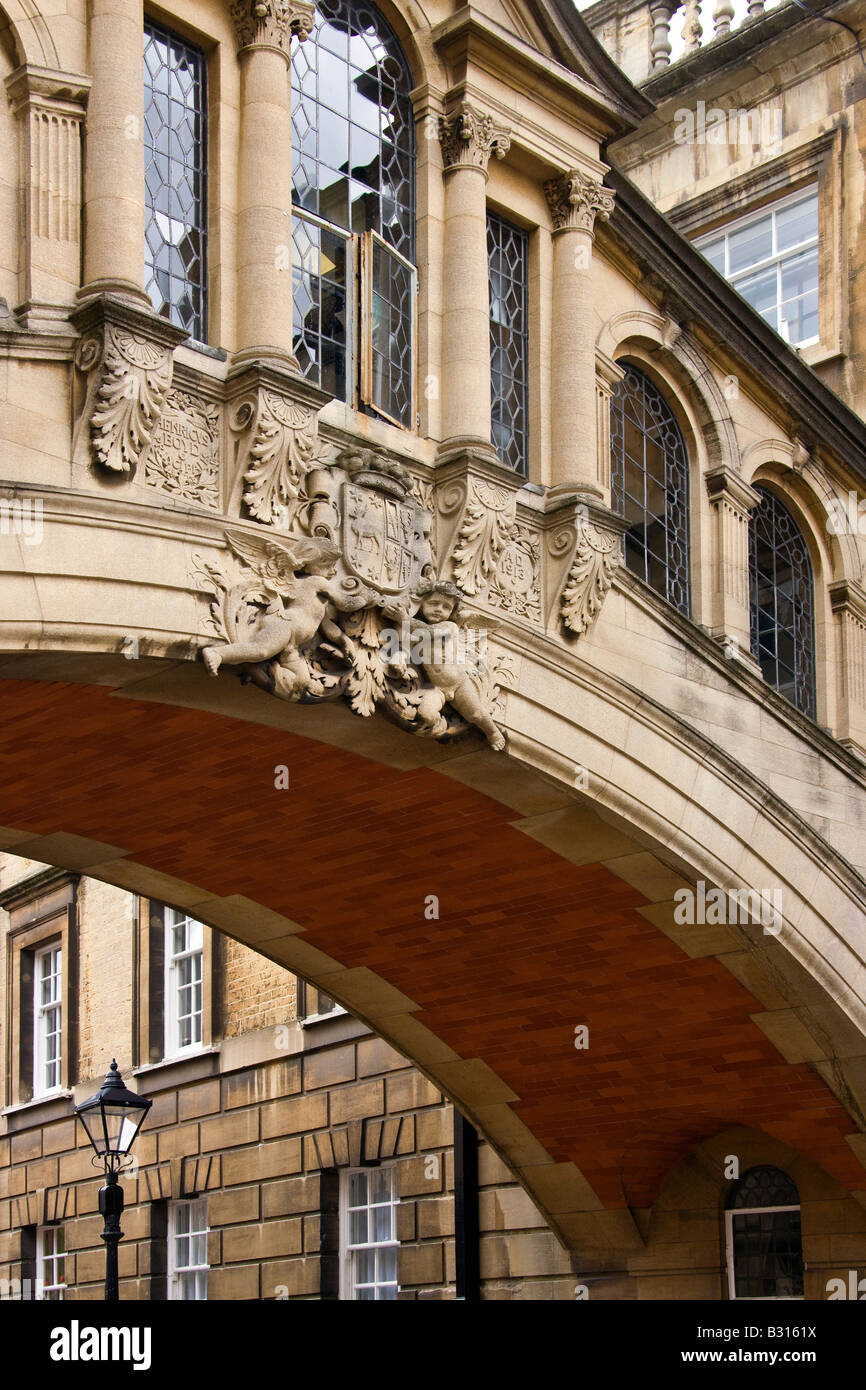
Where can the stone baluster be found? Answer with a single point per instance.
(264, 31)
(660, 43)
(575, 199)
(723, 14)
(692, 28)
(468, 138)
(755, 10)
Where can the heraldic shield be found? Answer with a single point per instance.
(379, 538)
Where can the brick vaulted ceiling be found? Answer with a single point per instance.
(526, 947)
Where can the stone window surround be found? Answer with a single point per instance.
(42, 910)
(817, 161)
(149, 987)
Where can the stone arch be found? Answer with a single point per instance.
(799, 478)
(30, 31)
(211, 834)
(705, 395)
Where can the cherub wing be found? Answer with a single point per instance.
(479, 622)
(274, 561)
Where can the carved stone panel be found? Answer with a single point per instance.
(184, 458)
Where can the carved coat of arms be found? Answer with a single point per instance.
(348, 605)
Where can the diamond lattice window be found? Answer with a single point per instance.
(765, 1250)
(508, 261)
(782, 605)
(175, 178)
(354, 211)
(650, 486)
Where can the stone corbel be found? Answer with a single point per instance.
(271, 23)
(124, 360)
(476, 515)
(273, 417)
(50, 107)
(582, 554)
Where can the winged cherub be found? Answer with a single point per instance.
(298, 606)
(438, 638)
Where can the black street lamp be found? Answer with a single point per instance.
(112, 1119)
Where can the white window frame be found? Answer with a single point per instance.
(42, 1014)
(348, 1282)
(777, 258)
(334, 1012)
(729, 1250)
(195, 1210)
(176, 917)
(48, 1256)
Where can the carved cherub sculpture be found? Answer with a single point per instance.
(439, 640)
(298, 606)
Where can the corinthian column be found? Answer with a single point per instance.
(468, 138)
(574, 198)
(264, 292)
(114, 163)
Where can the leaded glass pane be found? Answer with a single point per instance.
(353, 152)
(391, 330)
(508, 269)
(650, 486)
(175, 165)
(764, 1187)
(781, 602)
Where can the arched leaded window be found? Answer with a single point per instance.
(764, 1243)
(649, 483)
(781, 602)
(353, 145)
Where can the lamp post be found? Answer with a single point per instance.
(112, 1119)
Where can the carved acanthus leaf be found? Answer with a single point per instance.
(487, 524)
(468, 136)
(134, 378)
(596, 560)
(575, 199)
(285, 446)
(272, 22)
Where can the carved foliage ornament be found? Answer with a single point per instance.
(348, 606)
(132, 374)
(596, 560)
(468, 136)
(271, 22)
(184, 456)
(285, 445)
(485, 528)
(575, 199)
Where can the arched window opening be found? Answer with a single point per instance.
(764, 1242)
(354, 211)
(650, 486)
(781, 602)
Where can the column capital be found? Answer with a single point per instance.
(271, 23)
(469, 137)
(575, 198)
(724, 485)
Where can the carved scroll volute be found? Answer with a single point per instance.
(271, 23)
(275, 422)
(125, 360)
(583, 554)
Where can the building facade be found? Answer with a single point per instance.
(431, 373)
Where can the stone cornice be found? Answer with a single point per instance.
(575, 198)
(271, 23)
(63, 91)
(847, 596)
(468, 138)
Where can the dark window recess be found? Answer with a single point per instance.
(175, 178)
(781, 603)
(508, 269)
(329, 1218)
(649, 482)
(767, 1251)
(159, 1252)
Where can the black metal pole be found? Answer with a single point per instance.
(111, 1207)
(467, 1266)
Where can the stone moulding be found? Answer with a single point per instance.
(126, 357)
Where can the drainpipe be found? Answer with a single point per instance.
(466, 1233)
